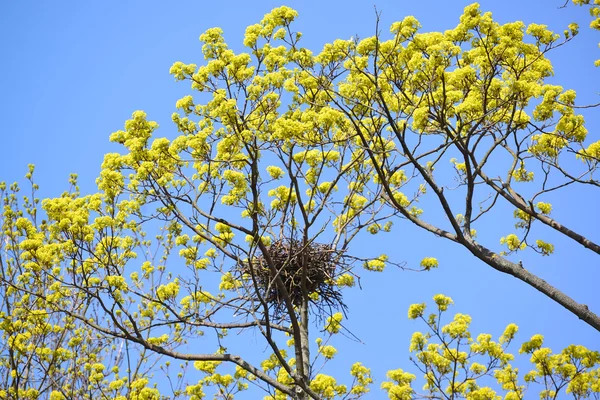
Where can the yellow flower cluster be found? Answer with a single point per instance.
(513, 242)
(326, 386)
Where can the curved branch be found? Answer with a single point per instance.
(503, 265)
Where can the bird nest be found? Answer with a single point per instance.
(305, 270)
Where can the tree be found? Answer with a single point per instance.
(244, 222)
(453, 362)
(44, 349)
(468, 96)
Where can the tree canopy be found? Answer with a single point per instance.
(242, 227)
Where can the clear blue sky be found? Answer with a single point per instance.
(73, 71)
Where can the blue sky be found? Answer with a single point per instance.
(72, 72)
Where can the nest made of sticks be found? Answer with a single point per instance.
(317, 265)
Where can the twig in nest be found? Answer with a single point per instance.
(306, 270)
